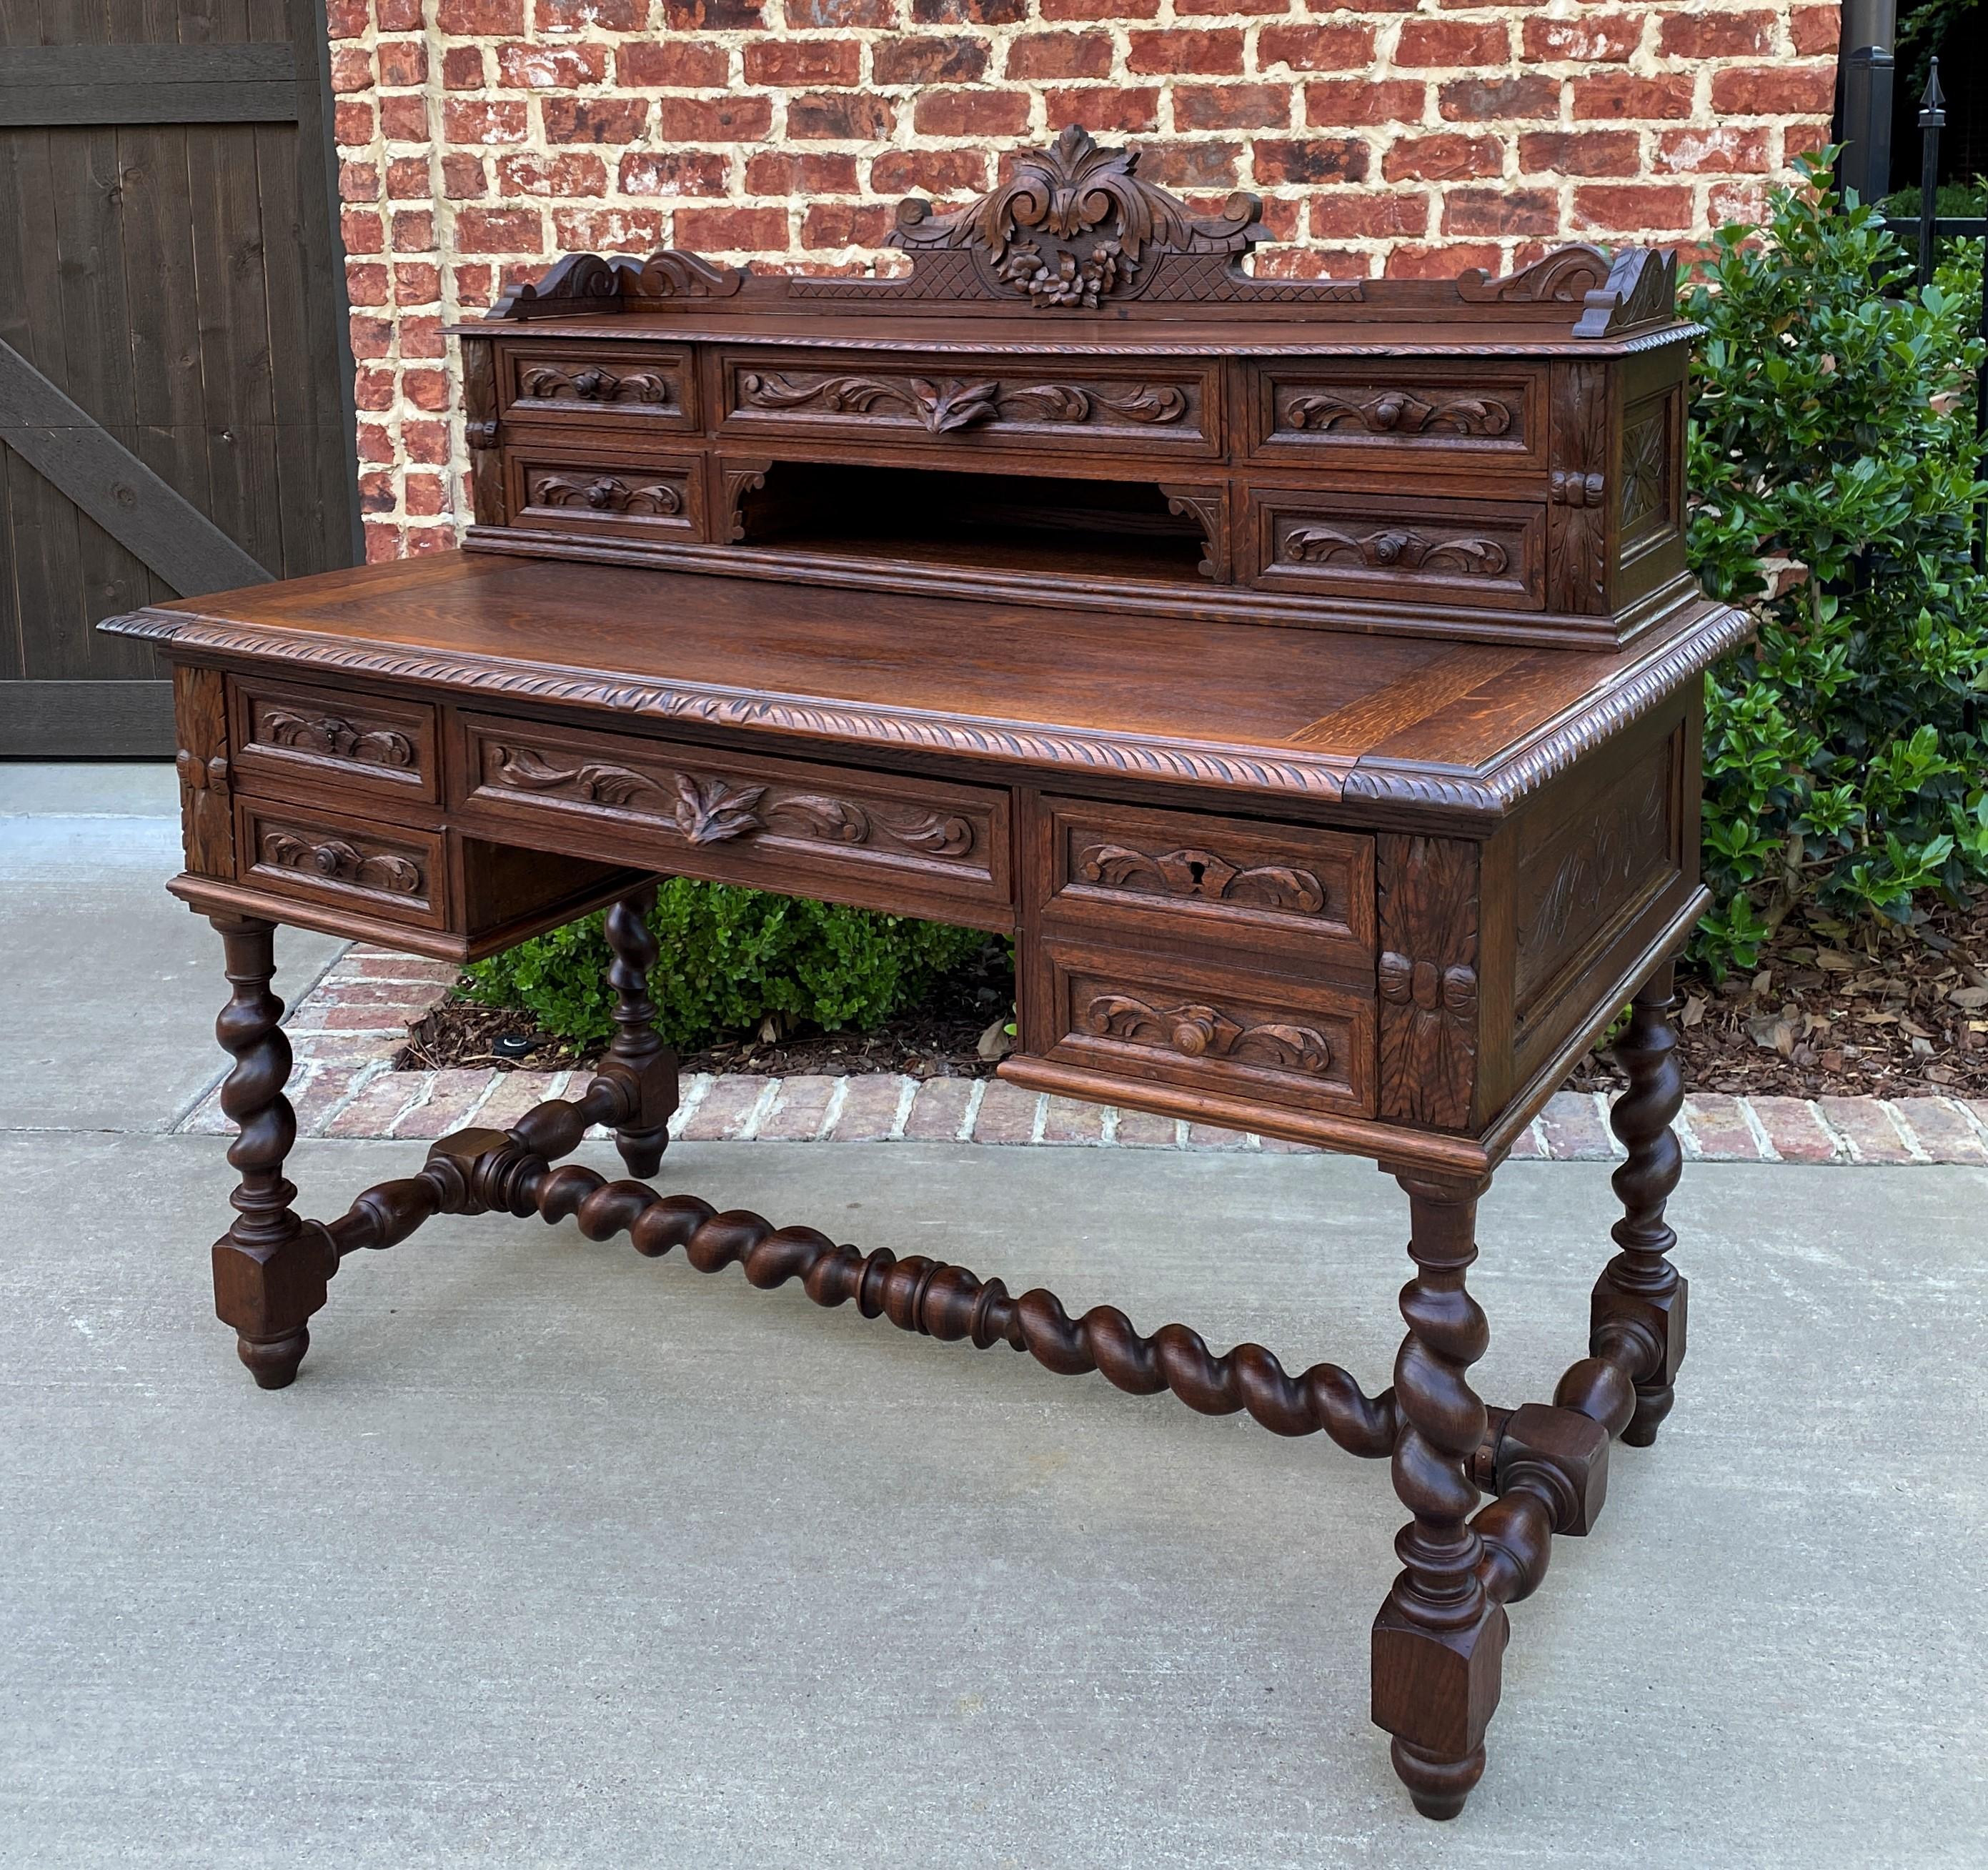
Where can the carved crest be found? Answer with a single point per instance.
(585, 282)
(1074, 226)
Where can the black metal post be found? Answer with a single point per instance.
(1865, 128)
(1932, 115)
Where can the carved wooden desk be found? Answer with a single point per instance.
(1305, 673)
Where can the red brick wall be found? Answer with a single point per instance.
(480, 138)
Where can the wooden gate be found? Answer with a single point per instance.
(175, 383)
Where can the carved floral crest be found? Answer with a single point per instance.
(1073, 226)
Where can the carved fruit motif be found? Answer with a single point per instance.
(591, 384)
(606, 493)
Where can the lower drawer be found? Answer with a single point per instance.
(626, 496)
(398, 875)
(1172, 1022)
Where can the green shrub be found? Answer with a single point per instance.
(1833, 426)
(730, 957)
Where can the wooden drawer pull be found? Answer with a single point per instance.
(1198, 1031)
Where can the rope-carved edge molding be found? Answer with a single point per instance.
(1490, 792)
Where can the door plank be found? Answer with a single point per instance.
(114, 487)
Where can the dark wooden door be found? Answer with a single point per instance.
(175, 384)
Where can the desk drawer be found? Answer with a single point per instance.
(645, 388)
(1400, 416)
(396, 874)
(622, 494)
(290, 736)
(1209, 1025)
(1136, 409)
(786, 825)
(1421, 550)
(1118, 870)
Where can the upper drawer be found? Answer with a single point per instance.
(286, 736)
(1289, 887)
(563, 380)
(1417, 548)
(1164, 409)
(775, 824)
(627, 495)
(1416, 416)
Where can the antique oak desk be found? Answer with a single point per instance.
(1306, 674)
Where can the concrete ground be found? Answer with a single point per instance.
(553, 1556)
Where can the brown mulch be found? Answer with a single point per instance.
(1831, 1010)
(1834, 1011)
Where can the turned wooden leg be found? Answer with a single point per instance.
(1439, 1640)
(1640, 1295)
(270, 1269)
(645, 1065)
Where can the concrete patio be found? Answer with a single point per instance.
(553, 1556)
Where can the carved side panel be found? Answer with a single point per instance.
(1428, 897)
(480, 431)
(207, 817)
(1590, 873)
(1577, 516)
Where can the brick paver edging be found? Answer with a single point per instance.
(346, 1030)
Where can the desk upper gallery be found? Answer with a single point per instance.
(1305, 672)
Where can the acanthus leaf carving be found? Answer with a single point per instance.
(1075, 226)
(592, 383)
(338, 860)
(1196, 1030)
(595, 781)
(945, 406)
(709, 811)
(336, 737)
(1392, 548)
(1399, 412)
(1565, 276)
(605, 493)
(588, 281)
(1202, 874)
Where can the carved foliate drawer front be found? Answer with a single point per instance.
(649, 387)
(1213, 1028)
(1466, 552)
(622, 496)
(779, 824)
(1288, 887)
(397, 874)
(1400, 415)
(290, 737)
(1165, 409)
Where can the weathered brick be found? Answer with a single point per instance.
(1007, 1113)
(1940, 1129)
(1348, 103)
(1700, 33)
(452, 1097)
(725, 1109)
(930, 60)
(1447, 157)
(1498, 100)
(1066, 1120)
(1723, 147)
(799, 1109)
(870, 1106)
(1312, 159)
(1864, 1124)
(1615, 95)
(1572, 1129)
(1447, 45)
(797, 63)
(1232, 106)
(1631, 207)
(1211, 54)
(938, 1110)
(373, 1112)
(1588, 38)
(1314, 48)
(1212, 1136)
(1719, 1128)
(1774, 90)
(1059, 54)
(1581, 152)
(319, 1093)
(1143, 1130)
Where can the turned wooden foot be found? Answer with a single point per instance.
(270, 1269)
(638, 1059)
(1439, 1639)
(1639, 1302)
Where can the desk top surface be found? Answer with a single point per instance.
(1322, 714)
